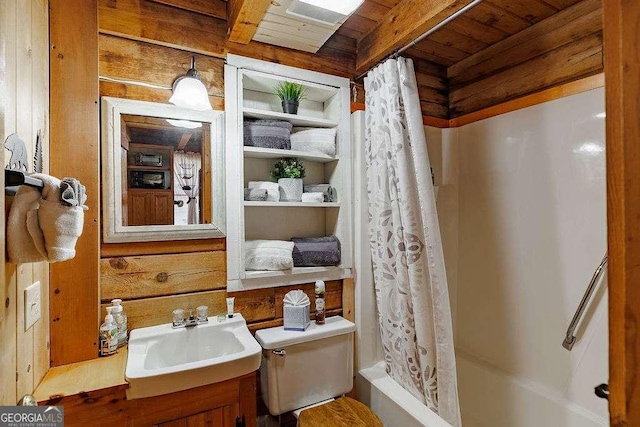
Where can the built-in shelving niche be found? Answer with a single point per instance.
(249, 93)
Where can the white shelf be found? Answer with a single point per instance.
(294, 119)
(274, 153)
(342, 272)
(292, 204)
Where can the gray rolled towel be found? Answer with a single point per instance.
(316, 251)
(72, 192)
(267, 134)
(255, 194)
(326, 189)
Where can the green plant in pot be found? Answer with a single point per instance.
(289, 171)
(290, 94)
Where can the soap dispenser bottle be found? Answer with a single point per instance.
(121, 321)
(320, 289)
(108, 335)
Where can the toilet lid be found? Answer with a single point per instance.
(343, 412)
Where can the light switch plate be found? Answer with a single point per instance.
(32, 305)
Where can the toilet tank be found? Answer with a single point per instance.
(302, 368)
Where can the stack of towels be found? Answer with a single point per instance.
(277, 255)
(268, 134)
(271, 255)
(316, 251)
(282, 135)
(262, 191)
(267, 191)
(319, 193)
(314, 140)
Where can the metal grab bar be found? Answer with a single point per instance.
(570, 338)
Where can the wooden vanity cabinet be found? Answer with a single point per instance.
(214, 405)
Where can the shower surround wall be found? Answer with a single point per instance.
(528, 189)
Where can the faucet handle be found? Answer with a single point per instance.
(202, 313)
(178, 317)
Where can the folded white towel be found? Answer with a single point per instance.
(273, 189)
(317, 140)
(313, 197)
(272, 255)
(268, 244)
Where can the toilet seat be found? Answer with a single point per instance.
(342, 412)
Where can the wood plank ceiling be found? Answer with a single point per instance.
(489, 22)
(509, 41)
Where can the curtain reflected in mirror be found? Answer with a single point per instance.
(187, 171)
(164, 168)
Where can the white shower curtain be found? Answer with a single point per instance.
(408, 262)
(186, 167)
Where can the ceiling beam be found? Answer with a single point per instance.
(243, 17)
(184, 140)
(407, 21)
(214, 8)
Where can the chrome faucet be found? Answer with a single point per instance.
(179, 320)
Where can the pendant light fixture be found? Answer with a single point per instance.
(189, 91)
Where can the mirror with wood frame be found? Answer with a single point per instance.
(162, 172)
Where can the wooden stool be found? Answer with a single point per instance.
(343, 412)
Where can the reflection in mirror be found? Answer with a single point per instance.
(165, 163)
(162, 172)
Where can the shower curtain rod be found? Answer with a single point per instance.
(426, 34)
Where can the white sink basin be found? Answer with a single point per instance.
(164, 360)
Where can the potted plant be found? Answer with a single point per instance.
(289, 173)
(290, 94)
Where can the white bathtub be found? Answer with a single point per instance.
(395, 406)
(491, 397)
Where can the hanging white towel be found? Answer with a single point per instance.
(43, 227)
(61, 224)
(24, 210)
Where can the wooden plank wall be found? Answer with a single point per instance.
(622, 47)
(24, 110)
(153, 279)
(562, 48)
(75, 152)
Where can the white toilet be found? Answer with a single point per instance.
(302, 369)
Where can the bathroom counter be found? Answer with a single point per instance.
(76, 378)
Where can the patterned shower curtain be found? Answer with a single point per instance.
(408, 262)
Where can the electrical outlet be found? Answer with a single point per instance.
(32, 305)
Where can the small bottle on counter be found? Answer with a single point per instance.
(108, 335)
(121, 321)
(319, 302)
